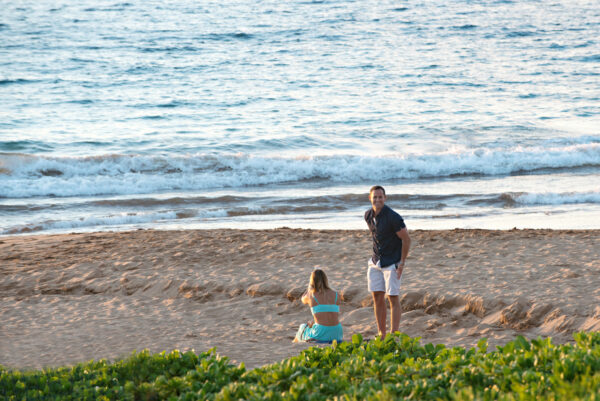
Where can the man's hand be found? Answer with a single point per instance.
(399, 268)
(403, 235)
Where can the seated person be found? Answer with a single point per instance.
(324, 303)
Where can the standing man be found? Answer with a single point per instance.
(390, 249)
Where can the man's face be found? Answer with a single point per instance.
(377, 199)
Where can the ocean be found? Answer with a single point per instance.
(263, 114)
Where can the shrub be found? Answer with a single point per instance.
(398, 367)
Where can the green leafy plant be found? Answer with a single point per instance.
(395, 368)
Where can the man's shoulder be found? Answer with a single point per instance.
(388, 210)
(368, 213)
(391, 212)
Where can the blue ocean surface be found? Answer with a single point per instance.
(243, 114)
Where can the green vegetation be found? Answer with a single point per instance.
(376, 370)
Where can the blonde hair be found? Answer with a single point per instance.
(318, 281)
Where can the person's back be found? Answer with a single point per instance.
(325, 307)
(324, 304)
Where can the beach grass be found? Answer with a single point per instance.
(398, 367)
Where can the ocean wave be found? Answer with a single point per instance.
(24, 175)
(120, 219)
(24, 145)
(190, 206)
(519, 199)
(551, 198)
(7, 81)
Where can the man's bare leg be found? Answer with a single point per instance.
(395, 311)
(380, 311)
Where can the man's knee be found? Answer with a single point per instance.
(394, 300)
(378, 297)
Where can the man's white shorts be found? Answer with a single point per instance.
(383, 279)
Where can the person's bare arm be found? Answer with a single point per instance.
(403, 235)
(305, 298)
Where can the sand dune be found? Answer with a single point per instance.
(76, 297)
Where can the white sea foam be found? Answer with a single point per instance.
(550, 198)
(27, 176)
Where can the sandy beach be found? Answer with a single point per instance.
(70, 298)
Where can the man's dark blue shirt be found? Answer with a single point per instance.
(387, 247)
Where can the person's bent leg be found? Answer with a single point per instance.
(300, 333)
(395, 312)
(380, 311)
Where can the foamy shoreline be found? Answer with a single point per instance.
(74, 297)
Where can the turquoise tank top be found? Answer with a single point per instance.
(325, 307)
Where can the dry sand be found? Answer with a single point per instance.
(71, 298)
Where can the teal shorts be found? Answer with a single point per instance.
(320, 333)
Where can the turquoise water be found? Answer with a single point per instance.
(121, 115)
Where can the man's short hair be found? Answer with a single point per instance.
(375, 188)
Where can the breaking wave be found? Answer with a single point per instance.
(28, 175)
